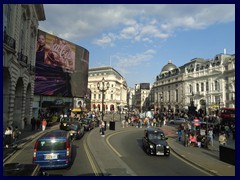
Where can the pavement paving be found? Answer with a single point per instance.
(111, 165)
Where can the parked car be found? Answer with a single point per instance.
(16, 169)
(177, 121)
(154, 142)
(65, 123)
(76, 130)
(88, 123)
(53, 150)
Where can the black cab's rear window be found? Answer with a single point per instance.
(51, 144)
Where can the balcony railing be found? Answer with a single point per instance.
(22, 59)
(8, 40)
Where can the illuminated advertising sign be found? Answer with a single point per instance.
(61, 67)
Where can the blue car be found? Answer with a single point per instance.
(53, 150)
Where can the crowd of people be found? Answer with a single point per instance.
(11, 136)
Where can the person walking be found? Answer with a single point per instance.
(8, 136)
(15, 135)
(222, 139)
(44, 124)
(102, 128)
(33, 123)
(38, 122)
(210, 135)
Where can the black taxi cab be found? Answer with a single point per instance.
(154, 142)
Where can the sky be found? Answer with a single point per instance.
(137, 40)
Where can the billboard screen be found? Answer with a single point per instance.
(145, 86)
(61, 67)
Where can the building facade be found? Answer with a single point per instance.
(142, 98)
(208, 84)
(20, 23)
(115, 97)
(61, 74)
(168, 89)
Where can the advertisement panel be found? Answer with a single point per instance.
(61, 67)
(145, 86)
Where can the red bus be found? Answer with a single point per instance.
(227, 114)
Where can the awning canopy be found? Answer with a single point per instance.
(76, 110)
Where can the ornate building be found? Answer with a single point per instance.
(20, 23)
(209, 84)
(115, 98)
(168, 89)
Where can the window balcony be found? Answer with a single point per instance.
(9, 41)
(22, 59)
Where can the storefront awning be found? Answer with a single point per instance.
(76, 110)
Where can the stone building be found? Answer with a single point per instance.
(208, 84)
(20, 23)
(115, 98)
(168, 89)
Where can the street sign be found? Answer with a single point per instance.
(196, 122)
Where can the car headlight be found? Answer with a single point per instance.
(151, 146)
(167, 147)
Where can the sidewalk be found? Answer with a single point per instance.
(207, 159)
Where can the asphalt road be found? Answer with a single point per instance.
(81, 165)
(129, 146)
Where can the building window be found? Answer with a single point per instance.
(169, 96)
(99, 96)
(207, 86)
(202, 87)
(217, 85)
(190, 88)
(111, 96)
(176, 95)
(197, 87)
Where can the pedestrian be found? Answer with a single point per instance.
(222, 139)
(44, 124)
(38, 122)
(33, 123)
(102, 128)
(123, 123)
(8, 136)
(210, 135)
(199, 139)
(15, 135)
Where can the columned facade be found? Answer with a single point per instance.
(115, 98)
(208, 84)
(168, 89)
(20, 23)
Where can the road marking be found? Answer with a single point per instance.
(90, 159)
(107, 140)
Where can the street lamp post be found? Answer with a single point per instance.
(103, 87)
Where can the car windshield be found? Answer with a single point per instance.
(52, 144)
(157, 135)
(73, 127)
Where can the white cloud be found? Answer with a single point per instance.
(124, 63)
(142, 22)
